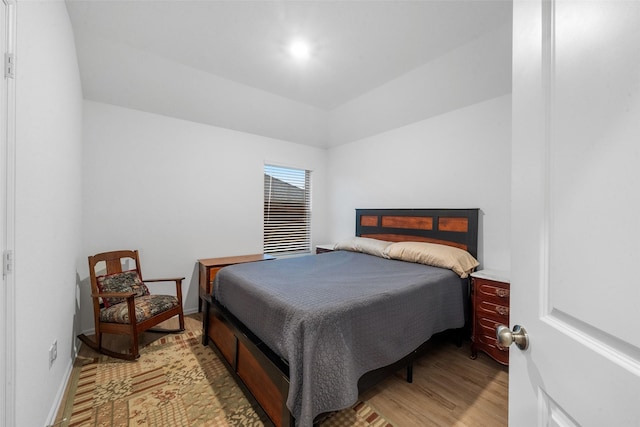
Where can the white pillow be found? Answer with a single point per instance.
(456, 259)
(364, 245)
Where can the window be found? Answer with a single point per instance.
(287, 210)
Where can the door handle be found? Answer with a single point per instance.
(519, 335)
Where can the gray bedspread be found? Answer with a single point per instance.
(335, 316)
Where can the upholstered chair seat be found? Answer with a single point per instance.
(146, 307)
(122, 303)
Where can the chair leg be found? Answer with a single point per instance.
(96, 345)
(181, 320)
(89, 342)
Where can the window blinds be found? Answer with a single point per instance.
(287, 210)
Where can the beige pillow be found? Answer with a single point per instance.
(363, 244)
(458, 260)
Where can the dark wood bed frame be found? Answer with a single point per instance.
(263, 373)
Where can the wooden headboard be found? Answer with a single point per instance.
(453, 227)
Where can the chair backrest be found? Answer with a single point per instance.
(112, 263)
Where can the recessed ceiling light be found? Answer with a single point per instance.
(300, 49)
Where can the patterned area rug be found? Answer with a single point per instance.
(176, 382)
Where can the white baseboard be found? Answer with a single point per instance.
(60, 394)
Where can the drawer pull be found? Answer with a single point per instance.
(503, 311)
(502, 292)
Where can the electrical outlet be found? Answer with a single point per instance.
(53, 352)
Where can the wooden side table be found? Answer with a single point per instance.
(490, 302)
(324, 248)
(209, 267)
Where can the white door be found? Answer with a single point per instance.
(3, 168)
(576, 213)
(7, 186)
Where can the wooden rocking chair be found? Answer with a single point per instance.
(122, 303)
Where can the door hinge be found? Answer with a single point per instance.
(7, 262)
(9, 65)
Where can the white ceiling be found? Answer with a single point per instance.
(357, 45)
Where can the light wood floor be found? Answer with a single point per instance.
(448, 389)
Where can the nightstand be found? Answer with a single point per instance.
(209, 267)
(324, 248)
(490, 305)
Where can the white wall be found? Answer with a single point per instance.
(436, 137)
(179, 191)
(48, 205)
(474, 72)
(456, 160)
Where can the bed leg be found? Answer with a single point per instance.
(458, 337)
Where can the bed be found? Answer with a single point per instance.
(303, 333)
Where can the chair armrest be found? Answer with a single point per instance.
(114, 295)
(129, 299)
(173, 279)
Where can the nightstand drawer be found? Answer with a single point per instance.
(487, 326)
(490, 345)
(212, 278)
(492, 291)
(495, 311)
